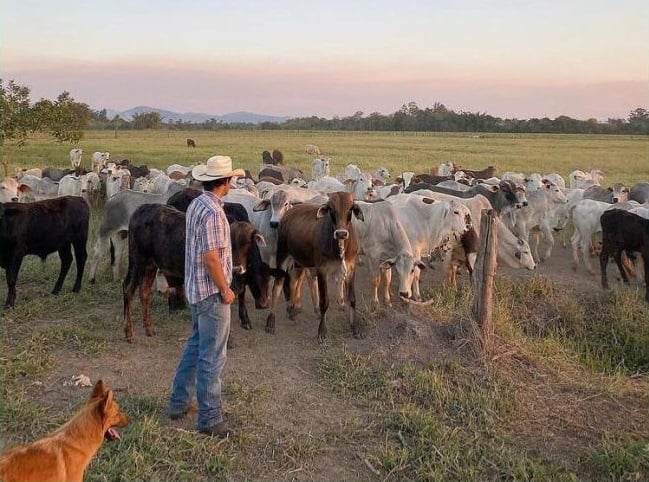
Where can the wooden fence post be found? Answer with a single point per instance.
(483, 282)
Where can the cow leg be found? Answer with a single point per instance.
(278, 285)
(145, 298)
(357, 330)
(549, 239)
(313, 286)
(176, 294)
(603, 263)
(415, 283)
(101, 246)
(244, 318)
(585, 253)
(324, 304)
(65, 253)
(376, 281)
(12, 277)
(80, 256)
(574, 242)
(645, 259)
(120, 242)
(294, 306)
(620, 266)
(131, 282)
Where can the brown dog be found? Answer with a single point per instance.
(65, 454)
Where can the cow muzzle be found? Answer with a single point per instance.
(239, 269)
(341, 234)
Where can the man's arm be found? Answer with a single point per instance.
(213, 263)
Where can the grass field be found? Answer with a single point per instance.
(564, 397)
(622, 158)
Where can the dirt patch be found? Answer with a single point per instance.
(294, 427)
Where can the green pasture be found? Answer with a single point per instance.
(622, 158)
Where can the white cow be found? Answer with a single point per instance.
(32, 188)
(539, 205)
(119, 179)
(385, 244)
(382, 175)
(75, 157)
(9, 188)
(72, 185)
(578, 179)
(430, 225)
(446, 169)
(320, 167)
(99, 161)
(556, 179)
(326, 184)
(511, 251)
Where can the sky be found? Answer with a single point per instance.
(511, 59)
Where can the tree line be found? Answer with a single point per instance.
(66, 120)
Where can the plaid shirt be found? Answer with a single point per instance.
(207, 228)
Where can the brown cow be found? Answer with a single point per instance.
(320, 237)
(191, 142)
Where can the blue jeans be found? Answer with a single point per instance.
(202, 362)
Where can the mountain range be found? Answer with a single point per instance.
(196, 117)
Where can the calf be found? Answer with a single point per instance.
(75, 157)
(321, 237)
(618, 193)
(114, 225)
(157, 242)
(624, 232)
(9, 188)
(41, 228)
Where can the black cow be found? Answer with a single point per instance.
(41, 228)
(623, 231)
(157, 241)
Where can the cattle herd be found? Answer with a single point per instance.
(288, 227)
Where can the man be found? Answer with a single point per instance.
(208, 273)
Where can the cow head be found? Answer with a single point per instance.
(555, 193)
(514, 194)
(405, 265)
(9, 188)
(340, 208)
(279, 203)
(620, 193)
(523, 254)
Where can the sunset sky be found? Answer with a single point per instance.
(296, 58)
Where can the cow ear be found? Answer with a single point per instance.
(493, 188)
(262, 205)
(388, 263)
(427, 200)
(259, 239)
(610, 189)
(358, 212)
(322, 211)
(348, 181)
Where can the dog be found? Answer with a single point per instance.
(65, 454)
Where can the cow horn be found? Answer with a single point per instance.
(418, 303)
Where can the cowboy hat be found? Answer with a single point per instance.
(217, 167)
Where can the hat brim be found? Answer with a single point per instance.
(200, 174)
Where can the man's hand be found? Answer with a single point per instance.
(228, 296)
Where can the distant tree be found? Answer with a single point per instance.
(147, 120)
(66, 119)
(16, 112)
(639, 120)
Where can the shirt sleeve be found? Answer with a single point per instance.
(215, 234)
